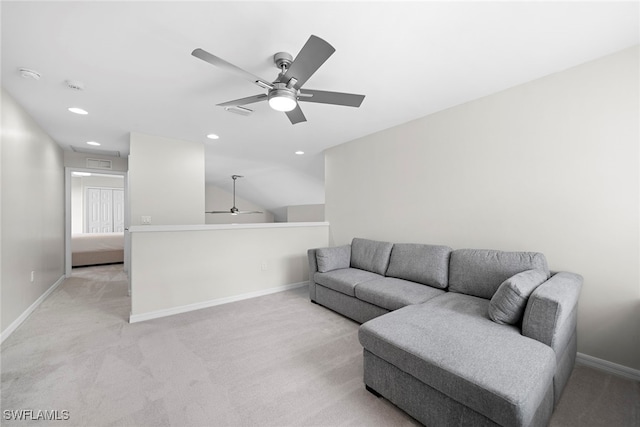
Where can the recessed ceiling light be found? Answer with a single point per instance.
(93, 143)
(213, 136)
(78, 110)
(299, 153)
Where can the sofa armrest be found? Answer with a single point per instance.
(551, 313)
(326, 259)
(313, 269)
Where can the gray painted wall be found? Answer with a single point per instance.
(551, 166)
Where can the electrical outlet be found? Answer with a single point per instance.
(264, 266)
(146, 220)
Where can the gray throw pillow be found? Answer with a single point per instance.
(333, 258)
(508, 304)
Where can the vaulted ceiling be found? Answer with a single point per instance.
(410, 59)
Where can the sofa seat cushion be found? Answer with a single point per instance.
(344, 280)
(480, 272)
(450, 344)
(426, 264)
(392, 294)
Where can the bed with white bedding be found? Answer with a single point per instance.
(97, 248)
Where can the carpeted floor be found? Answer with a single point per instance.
(276, 360)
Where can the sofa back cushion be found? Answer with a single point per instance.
(370, 255)
(479, 272)
(333, 258)
(426, 264)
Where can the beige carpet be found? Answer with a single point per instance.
(276, 360)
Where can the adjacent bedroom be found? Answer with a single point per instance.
(97, 219)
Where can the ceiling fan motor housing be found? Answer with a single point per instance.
(283, 59)
(281, 89)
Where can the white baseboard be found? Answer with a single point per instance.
(133, 318)
(610, 367)
(14, 325)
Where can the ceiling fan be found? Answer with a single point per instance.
(286, 90)
(234, 210)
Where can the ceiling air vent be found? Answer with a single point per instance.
(239, 110)
(99, 164)
(95, 152)
(74, 84)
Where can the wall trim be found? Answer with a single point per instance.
(14, 325)
(610, 367)
(208, 227)
(134, 318)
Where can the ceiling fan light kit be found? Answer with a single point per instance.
(282, 98)
(284, 93)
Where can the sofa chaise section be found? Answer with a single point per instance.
(454, 350)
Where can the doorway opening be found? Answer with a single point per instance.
(96, 215)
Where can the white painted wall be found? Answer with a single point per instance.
(551, 166)
(32, 175)
(174, 268)
(218, 199)
(305, 213)
(166, 180)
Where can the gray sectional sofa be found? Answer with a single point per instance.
(455, 337)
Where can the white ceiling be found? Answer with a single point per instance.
(410, 59)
